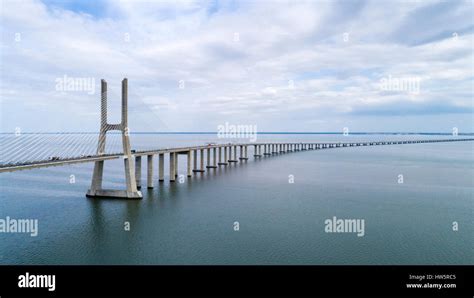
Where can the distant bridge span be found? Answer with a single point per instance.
(267, 148)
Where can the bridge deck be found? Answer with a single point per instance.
(93, 158)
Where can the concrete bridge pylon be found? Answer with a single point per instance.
(96, 190)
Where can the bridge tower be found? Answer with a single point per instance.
(96, 189)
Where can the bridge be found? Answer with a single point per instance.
(199, 158)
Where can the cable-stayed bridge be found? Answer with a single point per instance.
(29, 151)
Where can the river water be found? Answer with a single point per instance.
(280, 203)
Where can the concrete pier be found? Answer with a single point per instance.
(209, 166)
(149, 176)
(195, 160)
(232, 158)
(189, 164)
(256, 151)
(242, 153)
(214, 153)
(208, 158)
(235, 153)
(201, 161)
(138, 171)
(221, 163)
(266, 150)
(172, 165)
(176, 158)
(161, 167)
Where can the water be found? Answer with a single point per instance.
(280, 222)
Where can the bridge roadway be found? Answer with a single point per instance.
(269, 149)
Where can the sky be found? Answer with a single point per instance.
(308, 66)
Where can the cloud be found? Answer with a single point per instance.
(404, 108)
(195, 64)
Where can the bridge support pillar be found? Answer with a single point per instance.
(244, 152)
(201, 161)
(195, 160)
(214, 151)
(266, 149)
(189, 167)
(221, 163)
(172, 165)
(149, 179)
(138, 171)
(176, 158)
(209, 166)
(225, 154)
(232, 158)
(255, 151)
(161, 167)
(97, 175)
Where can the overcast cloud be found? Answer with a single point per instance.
(280, 65)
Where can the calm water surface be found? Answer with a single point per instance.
(280, 222)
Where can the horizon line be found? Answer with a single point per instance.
(264, 132)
